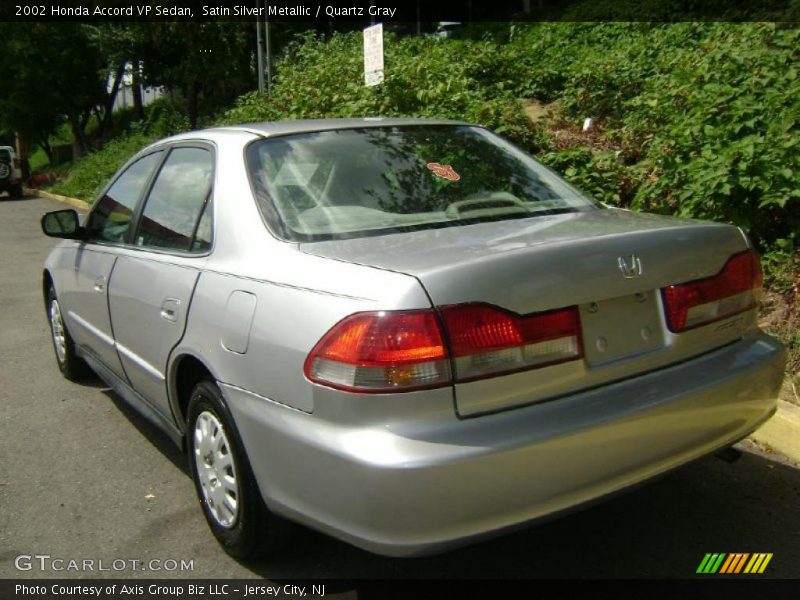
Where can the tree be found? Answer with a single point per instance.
(209, 63)
(52, 72)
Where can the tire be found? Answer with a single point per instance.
(15, 191)
(69, 363)
(222, 476)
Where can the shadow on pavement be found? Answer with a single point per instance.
(153, 434)
(662, 529)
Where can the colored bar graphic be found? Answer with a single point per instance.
(703, 563)
(728, 564)
(751, 564)
(716, 565)
(734, 563)
(741, 562)
(758, 563)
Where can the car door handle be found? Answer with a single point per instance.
(169, 309)
(100, 284)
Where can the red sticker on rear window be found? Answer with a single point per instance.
(443, 171)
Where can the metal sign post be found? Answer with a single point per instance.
(373, 55)
(269, 51)
(260, 55)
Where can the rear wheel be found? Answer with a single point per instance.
(224, 481)
(69, 363)
(16, 191)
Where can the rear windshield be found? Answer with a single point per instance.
(356, 182)
(5, 156)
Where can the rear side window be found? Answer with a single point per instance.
(175, 215)
(111, 218)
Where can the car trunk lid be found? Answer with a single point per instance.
(611, 264)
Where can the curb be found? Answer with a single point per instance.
(74, 202)
(780, 433)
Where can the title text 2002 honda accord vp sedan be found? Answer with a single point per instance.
(408, 334)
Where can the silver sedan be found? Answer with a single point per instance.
(408, 334)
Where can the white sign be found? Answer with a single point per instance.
(373, 55)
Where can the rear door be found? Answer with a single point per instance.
(84, 288)
(154, 278)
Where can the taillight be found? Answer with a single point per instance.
(487, 341)
(16, 163)
(381, 352)
(394, 351)
(733, 290)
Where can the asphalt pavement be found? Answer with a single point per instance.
(82, 477)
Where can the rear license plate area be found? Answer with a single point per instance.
(620, 328)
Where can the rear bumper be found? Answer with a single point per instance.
(401, 490)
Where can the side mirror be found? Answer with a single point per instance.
(62, 224)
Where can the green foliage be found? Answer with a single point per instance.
(89, 173)
(781, 262)
(425, 77)
(600, 174)
(695, 119)
(41, 81)
(704, 118)
(724, 145)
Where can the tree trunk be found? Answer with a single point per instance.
(79, 145)
(48, 149)
(110, 99)
(22, 152)
(191, 104)
(138, 104)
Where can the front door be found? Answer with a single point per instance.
(151, 288)
(94, 262)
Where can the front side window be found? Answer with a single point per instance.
(355, 182)
(176, 216)
(111, 218)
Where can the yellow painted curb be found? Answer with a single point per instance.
(782, 432)
(74, 202)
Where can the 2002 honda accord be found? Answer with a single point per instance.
(408, 334)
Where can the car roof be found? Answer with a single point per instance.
(306, 125)
(275, 128)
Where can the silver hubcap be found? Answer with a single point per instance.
(216, 469)
(57, 327)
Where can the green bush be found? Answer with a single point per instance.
(425, 77)
(88, 174)
(600, 174)
(705, 118)
(694, 119)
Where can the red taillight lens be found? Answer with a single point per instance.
(733, 290)
(392, 351)
(487, 341)
(380, 352)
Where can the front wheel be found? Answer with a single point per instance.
(224, 481)
(69, 363)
